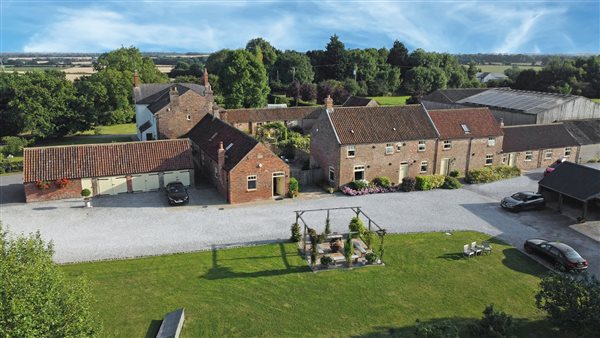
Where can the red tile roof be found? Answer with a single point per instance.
(356, 125)
(479, 121)
(100, 160)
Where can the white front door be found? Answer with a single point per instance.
(444, 164)
(278, 184)
(511, 159)
(403, 171)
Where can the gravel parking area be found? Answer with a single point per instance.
(143, 224)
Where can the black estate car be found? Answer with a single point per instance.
(562, 256)
(523, 201)
(177, 193)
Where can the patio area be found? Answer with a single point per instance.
(362, 245)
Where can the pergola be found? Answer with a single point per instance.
(371, 225)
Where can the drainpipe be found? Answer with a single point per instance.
(468, 155)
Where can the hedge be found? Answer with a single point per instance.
(7, 166)
(491, 174)
(429, 182)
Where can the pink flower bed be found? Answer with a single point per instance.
(370, 190)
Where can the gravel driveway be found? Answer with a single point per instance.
(142, 224)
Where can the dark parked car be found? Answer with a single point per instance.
(177, 193)
(553, 166)
(562, 256)
(523, 201)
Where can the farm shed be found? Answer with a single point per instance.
(587, 134)
(575, 183)
(51, 173)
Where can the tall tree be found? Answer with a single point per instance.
(291, 65)
(335, 60)
(398, 55)
(12, 121)
(130, 60)
(36, 298)
(263, 51)
(243, 81)
(214, 63)
(106, 96)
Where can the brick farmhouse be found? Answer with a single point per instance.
(60, 172)
(470, 138)
(353, 143)
(241, 168)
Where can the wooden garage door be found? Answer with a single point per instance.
(182, 176)
(112, 185)
(145, 182)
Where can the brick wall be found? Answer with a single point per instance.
(378, 163)
(34, 194)
(538, 158)
(172, 121)
(473, 151)
(262, 163)
(324, 149)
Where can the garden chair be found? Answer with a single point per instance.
(359, 246)
(476, 248)
(487, 247)
(467, 251)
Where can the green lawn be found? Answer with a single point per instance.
(70, 140)
(269, 291)
(596, 100)
(125, 128)
(391, 100)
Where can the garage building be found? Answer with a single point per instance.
(573, 184)
(51, 173)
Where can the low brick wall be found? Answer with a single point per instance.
(35, 194)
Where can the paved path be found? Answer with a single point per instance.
(142, 224)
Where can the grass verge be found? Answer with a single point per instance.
(268, 290)
(391, 100)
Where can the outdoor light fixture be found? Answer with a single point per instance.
(259, 165)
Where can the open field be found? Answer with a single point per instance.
(502, 68)
(269, 291)
(596, 100)
(391, 100)
(74, 72)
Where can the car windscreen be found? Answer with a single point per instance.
(572, 255)
(519, 197)
(176, 188)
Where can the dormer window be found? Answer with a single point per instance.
(465, 128)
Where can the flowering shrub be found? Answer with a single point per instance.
(368, 190)
(43, 185)
(61, 182)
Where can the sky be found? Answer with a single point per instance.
(506, 26)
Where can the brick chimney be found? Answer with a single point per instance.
(328, 102)
(206, 83)
(221, 156)
(223, 115)
(136, 79)
(174, 97)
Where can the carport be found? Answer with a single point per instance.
(575, 181)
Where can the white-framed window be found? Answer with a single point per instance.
(331, 174)
(489, 159)
(359, 172)
(504, 159)
(421, 146)
(251, 182)
(491, 141)
(447, 145)
(389, 148)
(568, 151)
(424, 166)
(528, 155)
(350, 151)
(399, 146)
(548, 154)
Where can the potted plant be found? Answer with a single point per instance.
(371, 257)
(294, 187)
(326, 261)
(86, 193)
(61, 182)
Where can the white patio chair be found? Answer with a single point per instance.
(467, 251)
(476, 248)
(487, 247)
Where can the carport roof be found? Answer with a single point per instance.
(574, 180)
(101, 160)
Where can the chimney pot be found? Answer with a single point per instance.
(328, 102)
